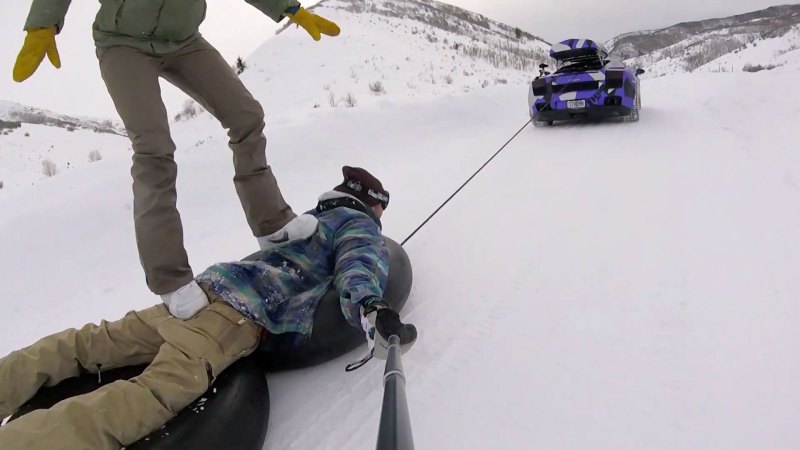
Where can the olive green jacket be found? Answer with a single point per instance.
(153, 26)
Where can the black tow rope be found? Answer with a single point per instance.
(465, 183)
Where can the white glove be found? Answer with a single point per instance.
(186, 302)
(301, 227)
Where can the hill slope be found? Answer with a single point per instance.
(398, 49)
(715, 44)
(31, 138)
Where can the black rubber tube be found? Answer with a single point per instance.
(234, 412)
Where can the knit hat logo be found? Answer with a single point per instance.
(365, 187)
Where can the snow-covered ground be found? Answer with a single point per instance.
(604, 286)
(24, 150)
(768, 53)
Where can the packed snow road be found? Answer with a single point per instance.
(604, 286)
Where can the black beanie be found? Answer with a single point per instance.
(362, 185)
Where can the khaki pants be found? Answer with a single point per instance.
(200, 71)
(185, 358)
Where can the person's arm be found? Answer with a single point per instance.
(362, 266)
(47, 13)
(315, 25)
(274, 9)
(45, 21)
(362, 269)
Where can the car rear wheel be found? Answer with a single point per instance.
(634, 115)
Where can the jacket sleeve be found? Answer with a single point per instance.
(274, 9)
(46, 13)
(362, 265)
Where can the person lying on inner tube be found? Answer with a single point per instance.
(244, 302)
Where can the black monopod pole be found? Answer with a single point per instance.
(395, 427)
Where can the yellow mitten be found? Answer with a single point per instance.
(38, 42)
(313, 23)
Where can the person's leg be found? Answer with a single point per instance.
(201, 72)
(132, 81)
(130, 341)
(195, 352)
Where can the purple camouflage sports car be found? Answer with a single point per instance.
(587, 84)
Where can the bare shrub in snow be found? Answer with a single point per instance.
(240, 66)
(485, 83)
(432, 38)
(377, 88)
(332, 99)
(1, 185)
(507, 56)
(354, 74)
(757, 67)
(788, 50)
(703, 53)
(327, 86)
(350, 100)
(190, 110)
(95, 155)
(49, 168)
(448, 79)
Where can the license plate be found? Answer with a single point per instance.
(576, 104)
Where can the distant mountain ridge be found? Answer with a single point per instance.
(767, 23)
(13, 115)
(689, 46)
(436, 14)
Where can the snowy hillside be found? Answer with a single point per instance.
(606, 286)
(714, 44)
(13, 112)
(394, 49)
(36, 145)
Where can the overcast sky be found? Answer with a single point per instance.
(236, 28)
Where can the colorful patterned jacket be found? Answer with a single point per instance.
(281, 288)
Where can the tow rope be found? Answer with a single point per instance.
(466, 183)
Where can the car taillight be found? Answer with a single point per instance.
(539, 86)
(614, 79)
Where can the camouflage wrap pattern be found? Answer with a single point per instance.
(281, 288)
(610, 85)
(564, 47)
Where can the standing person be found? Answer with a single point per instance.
(275, 294)
(139, 42)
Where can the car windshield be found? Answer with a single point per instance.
(581, 65)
